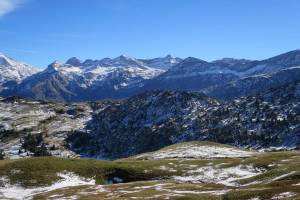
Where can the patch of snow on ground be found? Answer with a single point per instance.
(225, 176)
(284, 195)
(68, 179)
(213, 192)
(282, 176)
(189, 151)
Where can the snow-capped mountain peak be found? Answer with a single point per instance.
(172, 59)
(163, 63)
(125, 57)
(169, 56)
(13, 70)
(7, 61)
(55, 65)
(60, 81)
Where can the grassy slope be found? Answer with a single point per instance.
(140, 173)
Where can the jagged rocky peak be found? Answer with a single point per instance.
(3, 59)
(163, 63)
(169, 56)
(172, 60)
(121, 60)
(13, 70)
(190, 63)
(54, 66)
(124, 59)
(88, 62)
(7, 61)
(74, 61)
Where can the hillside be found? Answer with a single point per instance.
(148, 122)
(260, 176)
(195, 150)
(23, 121)
(153, 120)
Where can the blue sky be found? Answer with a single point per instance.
(40, 31)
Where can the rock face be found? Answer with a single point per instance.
(155, 119)
(13, 72)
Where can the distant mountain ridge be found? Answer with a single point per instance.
(125, 76)
(13, 72)
(78, 80)
(193, 74)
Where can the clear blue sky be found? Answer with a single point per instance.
(40, 31)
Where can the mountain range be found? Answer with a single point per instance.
(125, 76)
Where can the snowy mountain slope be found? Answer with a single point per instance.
(125, 76)
(152, 120)
(193, 74)
(88, 80)
(12, 71)
(147, 122)
(164, 63)
(282, 61)
(190, 67)
(254, 84)
(56, 82)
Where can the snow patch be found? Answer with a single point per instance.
(68, 179)
(225, 176)
(189, 151)
(284, 195)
